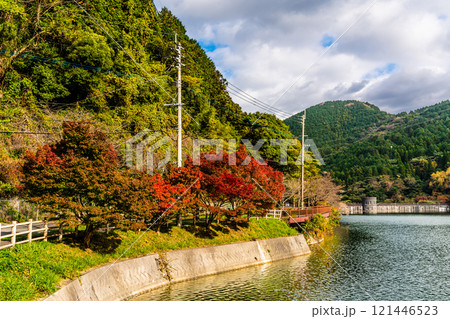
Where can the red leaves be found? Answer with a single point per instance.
(232, 186)
(144, 199)
(75, 179)
(78, 180)
(235, 189)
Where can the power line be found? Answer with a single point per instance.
(257, 101)
(126, 52)
(250, 101)
(29, 133)
(49, 60)
(244, 120)
(325, 51)
(378, 125)
(258, 105)
(236, 91)
(61, 132)
(66, 63)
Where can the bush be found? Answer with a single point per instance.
(318, 226)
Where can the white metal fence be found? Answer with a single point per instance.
(271, 214)
(15, 232)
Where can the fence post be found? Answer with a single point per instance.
(13, 233)
(0, 231)
(30, 231)
(45, 228)
(60, 232)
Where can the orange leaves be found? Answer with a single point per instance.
(233, 184)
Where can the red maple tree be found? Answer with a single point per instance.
(75, 180)
(148, 200)
(244, 187)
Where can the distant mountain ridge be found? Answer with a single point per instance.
(338, 122)
(363, 146)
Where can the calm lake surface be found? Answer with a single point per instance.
(379, 257)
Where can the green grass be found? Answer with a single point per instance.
(30, 272)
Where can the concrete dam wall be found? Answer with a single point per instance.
(125, 279)
(358, 209)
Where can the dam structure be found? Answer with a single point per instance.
(370, 206)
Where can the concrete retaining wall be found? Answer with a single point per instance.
(358, 209)
(132, 277)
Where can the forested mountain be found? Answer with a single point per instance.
(373, 153)
(335, 124)
(113, 64)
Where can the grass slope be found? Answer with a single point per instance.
(30, 272)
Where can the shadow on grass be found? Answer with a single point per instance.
(101, 242)
(201, 231)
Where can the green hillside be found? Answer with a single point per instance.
(113, 64)
(373, 153)
(335, 124)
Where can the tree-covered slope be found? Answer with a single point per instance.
(113, 64)
(54, 56)
(378, 154)
(335, 124)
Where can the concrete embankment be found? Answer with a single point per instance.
(358, 209)
(129, 278)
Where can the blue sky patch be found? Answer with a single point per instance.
(385, 70)
(327, 41)
(211, 46)
(227, 73)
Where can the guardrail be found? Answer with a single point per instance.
(309, 211)
(21, 229)
(274, 214)
(293, 213)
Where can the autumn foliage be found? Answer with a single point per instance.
(243, 187)
(147, 200)
(78, 181)
(75, 180)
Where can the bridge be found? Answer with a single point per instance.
(299, 215)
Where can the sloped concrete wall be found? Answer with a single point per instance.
(129, 278)
(115, 282)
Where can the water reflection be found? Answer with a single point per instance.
(382, 257)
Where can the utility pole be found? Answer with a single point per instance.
(179, 140)
(179, 143)
(303, 157)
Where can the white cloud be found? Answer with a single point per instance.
(396, 56)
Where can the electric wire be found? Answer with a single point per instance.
(126, 52)
(252, 102)
(257, 101)
(326, 50)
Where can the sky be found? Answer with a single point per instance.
(292, 54)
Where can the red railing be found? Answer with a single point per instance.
(306, 212)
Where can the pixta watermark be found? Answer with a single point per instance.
(141, 151)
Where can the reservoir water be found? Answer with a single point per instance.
(370, 257)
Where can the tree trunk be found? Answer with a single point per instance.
(210, 220)
(88, 235)
(158, 229)
(180, 220)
